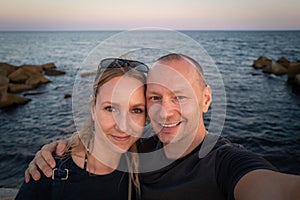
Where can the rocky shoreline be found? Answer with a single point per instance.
(280, 67)
(16, 79)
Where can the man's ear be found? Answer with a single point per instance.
(206, 98)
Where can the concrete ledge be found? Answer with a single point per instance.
(8, 193)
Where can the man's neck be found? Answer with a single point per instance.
(182, 148)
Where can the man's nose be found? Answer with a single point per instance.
(167, 109)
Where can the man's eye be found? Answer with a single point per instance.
(110, 109)
(137, 110)
(180, 97)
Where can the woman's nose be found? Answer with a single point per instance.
(121, 121)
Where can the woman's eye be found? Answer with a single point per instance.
(138, 110)
(110, 109)
(155, 98)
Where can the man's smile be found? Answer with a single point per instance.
(170, 125)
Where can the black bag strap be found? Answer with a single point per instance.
(59, 176)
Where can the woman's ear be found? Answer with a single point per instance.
(206, 98)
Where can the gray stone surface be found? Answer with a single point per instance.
(8, 193)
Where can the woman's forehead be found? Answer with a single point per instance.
(121, 88)
(122, 83)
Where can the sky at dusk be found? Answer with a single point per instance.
(173, 14)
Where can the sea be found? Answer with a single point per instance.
(262, 113)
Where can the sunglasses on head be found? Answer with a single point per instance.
(123, 63)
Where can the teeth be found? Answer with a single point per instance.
(169, 125)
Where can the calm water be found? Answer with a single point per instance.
(262, 112)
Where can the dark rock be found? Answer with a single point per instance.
(67, 96)
(262, 62)
(48, 66)
(54, 72)
(12, 99)
(293, 70)
(7, 99)
(3, 86)
(36, 80)
(6, 69)
(25, 77)
(284, 62)
(14, 88)
(255, 74)
(32, 93)
(33, 69)
(297, 80)
(296, 85)
(19, 76)
(275, 68)
(282, 66)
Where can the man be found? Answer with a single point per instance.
(177, 96)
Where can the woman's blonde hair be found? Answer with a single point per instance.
(87, 133)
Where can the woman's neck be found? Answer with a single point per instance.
(96, 165)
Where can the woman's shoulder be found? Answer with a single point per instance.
(40, 189)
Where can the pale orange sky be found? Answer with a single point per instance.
(175, 14)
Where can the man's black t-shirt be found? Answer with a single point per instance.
(212, 177)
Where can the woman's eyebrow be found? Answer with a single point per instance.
(110, 103)
(140, 104)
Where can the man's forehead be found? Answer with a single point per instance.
(172, 72)
(175, 77)
(174, 87)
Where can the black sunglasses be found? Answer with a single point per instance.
(123, 63)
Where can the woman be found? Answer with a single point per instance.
(89, 169)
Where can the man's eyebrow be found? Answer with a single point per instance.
(178, 91)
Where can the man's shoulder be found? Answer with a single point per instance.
(224, 145)
(223, 142)
(212, 142)
(216, 145)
